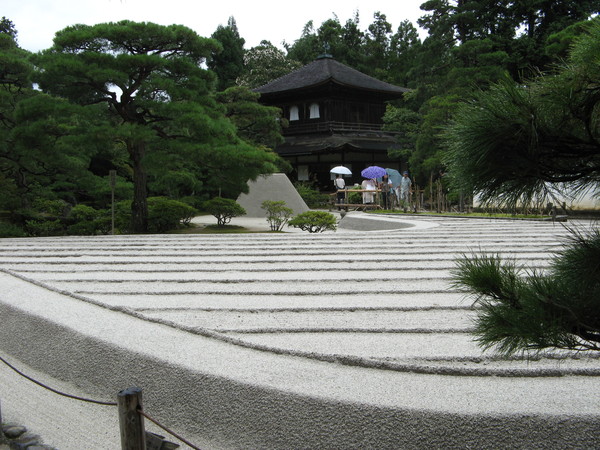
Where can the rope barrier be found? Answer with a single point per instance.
(172, 433)
(39, 383)
(83, 399)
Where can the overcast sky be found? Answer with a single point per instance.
(37, 20)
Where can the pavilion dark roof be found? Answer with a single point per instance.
(326, 69)
(304, 144)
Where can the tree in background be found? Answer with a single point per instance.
(345, 43)
(159, 99)
(405, 46)
(182, 128)
(8, 27)
(15, 87)
(306, 48)
(228, 61)
(377, 46)
(257, 124)
(42, 154)
(353, 40)
(517, 142)
(539, 20)
(406, 123)
(265, 63)
(474, 45)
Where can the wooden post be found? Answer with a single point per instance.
(113, 182)
(2, 438)
(131, 422)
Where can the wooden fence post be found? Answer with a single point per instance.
(131, 422)
(2, 438)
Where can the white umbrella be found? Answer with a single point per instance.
(341, 170)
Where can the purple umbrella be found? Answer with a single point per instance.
(373, 172)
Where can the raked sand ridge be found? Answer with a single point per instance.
(353, 339)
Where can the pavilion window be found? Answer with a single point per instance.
(294, 113)
(314, 111)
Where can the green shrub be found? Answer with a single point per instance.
(224, 209)
(8, 230)
(123, 216)
(89, 221)
(314, 221)
(194, 201)
(165, 214)
(51, 208)
(311, 196)
(45, 227)
(355, 198)
(277, 214)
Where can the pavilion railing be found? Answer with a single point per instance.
(319, 127)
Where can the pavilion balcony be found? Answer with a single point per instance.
(332, 127)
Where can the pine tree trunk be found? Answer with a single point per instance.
(139, 205)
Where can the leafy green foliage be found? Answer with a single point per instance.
(155, 68)
(227, 62)
(56, 218)
(134, 97)
(355, 198)
(277, 214)
(314, 221)
(265, 63)
(311, 196)
(51, 208)
(47, 218)
(8, 27)
(516, 143)
(8, 230)
(257, 124)
(194, 201)
(224, 209)
(89, 221)
(44, 227)
(519, 312)
(176, 183)
(165, 118)
(165, 214)
(512, 144)
(406, 123)
(308, 46)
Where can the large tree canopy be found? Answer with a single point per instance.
(159, 99)
(36, 156)
(516, 142)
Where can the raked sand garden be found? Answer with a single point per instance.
(352, 339)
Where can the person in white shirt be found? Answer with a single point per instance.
(340, 185)
(369, 185)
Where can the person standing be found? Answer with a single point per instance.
(385, 186)
(340, 185)
(405, 190)
(368, 197)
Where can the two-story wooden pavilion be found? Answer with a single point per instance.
(335, 118)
